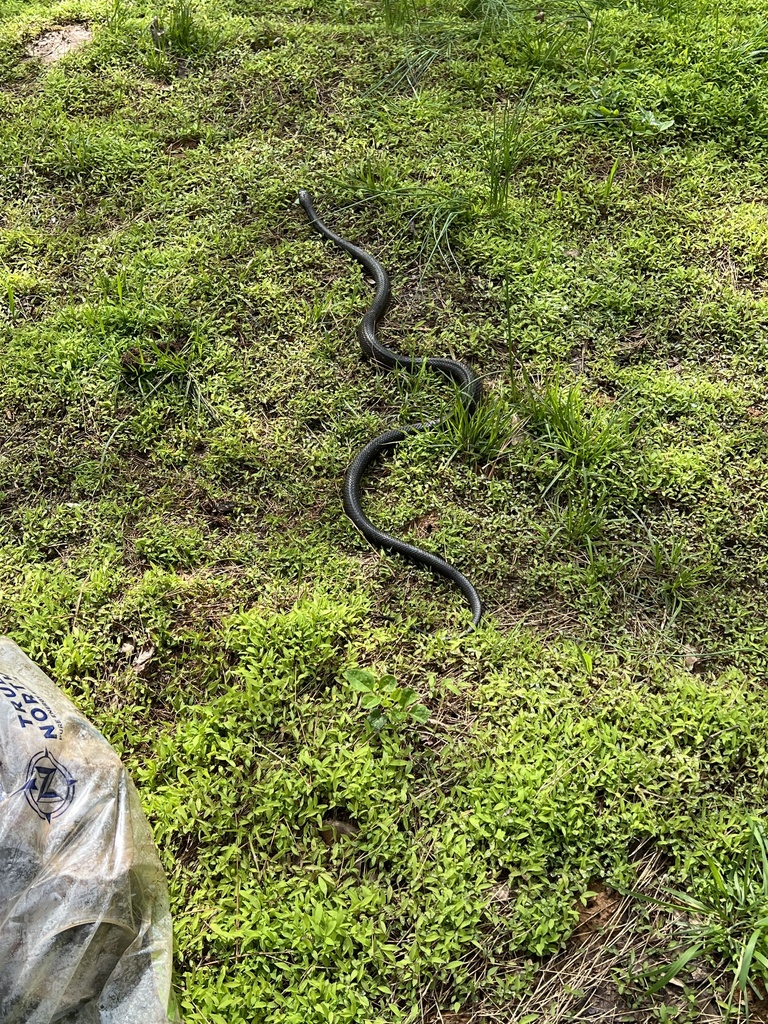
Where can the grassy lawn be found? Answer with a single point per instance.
(366, 815)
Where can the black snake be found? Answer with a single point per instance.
(384, 444)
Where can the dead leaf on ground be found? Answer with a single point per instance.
(333, 830)
(501, 894)
(142, 659)
(693, 659)
(598, 912)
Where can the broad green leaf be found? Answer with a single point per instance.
(376, 720)
(360, 678)
(420, 713)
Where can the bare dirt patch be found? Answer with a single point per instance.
(598, 912)
(178, 146)
(426, 525)
(55, 43)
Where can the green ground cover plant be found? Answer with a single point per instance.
(364, 814)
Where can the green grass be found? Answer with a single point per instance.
(727, 920)
(573, 200)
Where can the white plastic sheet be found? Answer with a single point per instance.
(85, 929)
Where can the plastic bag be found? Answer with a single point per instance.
(85, 929)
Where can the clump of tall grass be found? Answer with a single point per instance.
(579, 449)
(398, 13)
(578, 435)
(505, 148)
(442, 215)
(180, 34)
(725, 921)
(425, 45)
(677, 571)
(485, 435)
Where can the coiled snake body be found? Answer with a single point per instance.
(384, 444)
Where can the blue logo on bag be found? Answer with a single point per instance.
(49, 788)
